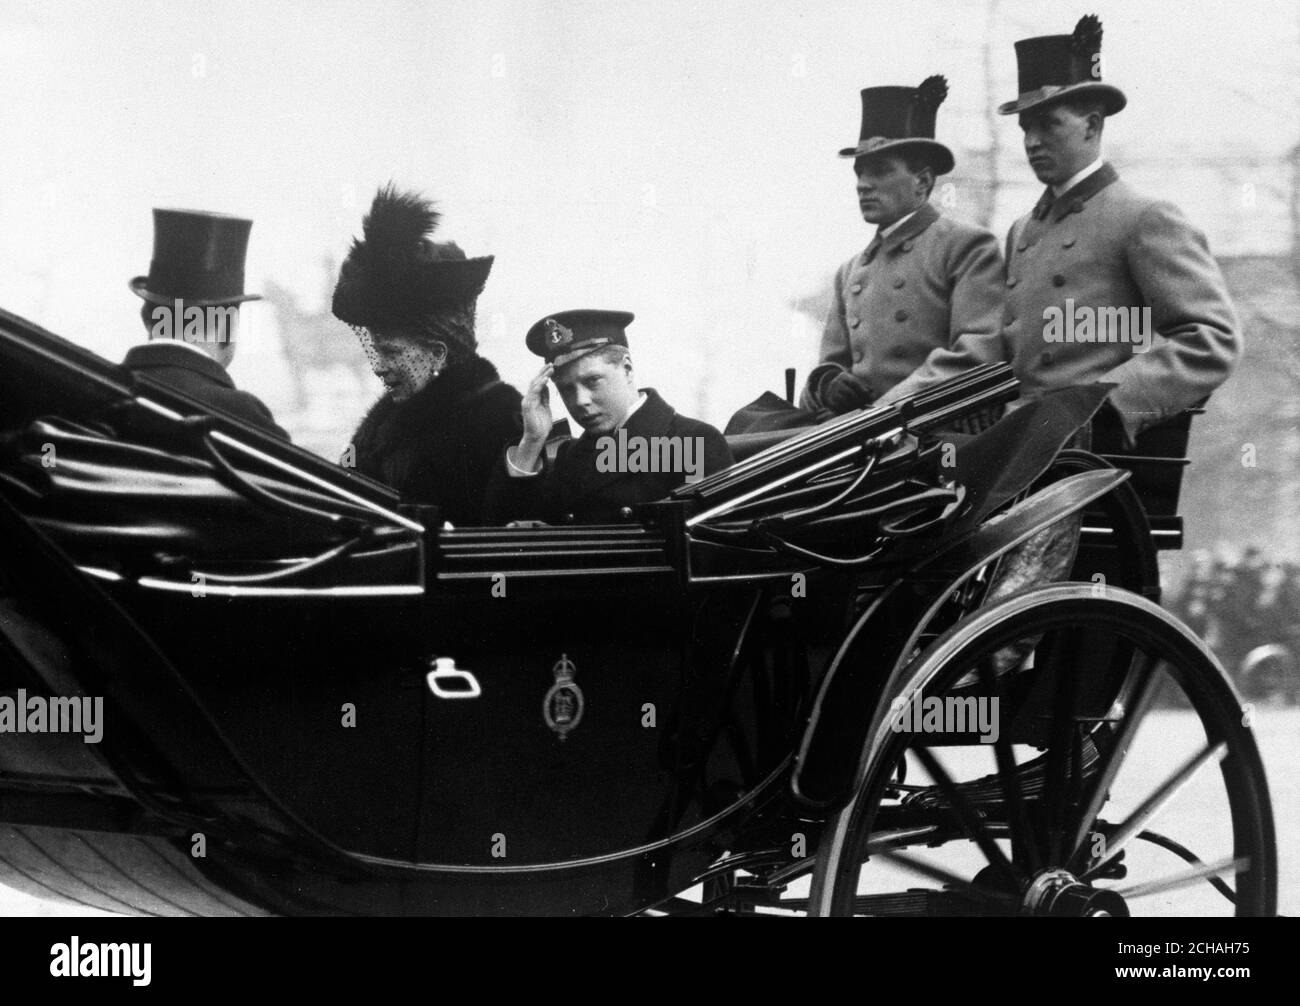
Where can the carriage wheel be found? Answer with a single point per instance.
(1121, 813)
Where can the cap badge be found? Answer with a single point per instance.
(557, 335)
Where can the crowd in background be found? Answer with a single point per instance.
(1239, 603)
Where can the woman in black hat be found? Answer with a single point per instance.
(446, 416)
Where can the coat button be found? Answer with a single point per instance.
(898, 283)
(1058, 280)
(1068, 242)
(907, 246)
(855, 322)
(856, 288)
(568, 518)
(900, 315)
(625, 512)
(1012, 281)
(1047, 356)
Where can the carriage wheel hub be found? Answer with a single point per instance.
(1059, 893)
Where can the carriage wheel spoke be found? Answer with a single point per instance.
(972, 823)
(1156, 802)
(1022, 833)
(1185, 854)
(1064, 702)
(1138, 693)
(931, 872)
(1175, 881)
(882, 840)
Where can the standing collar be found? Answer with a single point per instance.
(641, 399)
(909, 227)
(884, 232)
(1077, 195)
(648, 418)
(180, 342)
(170, 353)
(1077, 177)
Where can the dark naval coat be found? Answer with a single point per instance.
(930, 283)
(573, 487)
(439, 447)
(196, 374)
(1101, 246)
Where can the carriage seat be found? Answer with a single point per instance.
(1157, 461)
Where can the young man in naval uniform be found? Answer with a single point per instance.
(627, 434)
(926, 284)
(191, 310)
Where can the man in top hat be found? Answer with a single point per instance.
(633, 448)
(927, 287)
(1104, 284)
(191, 310)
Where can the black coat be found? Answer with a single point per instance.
(440, 445)
(573, 488)
(199, 376)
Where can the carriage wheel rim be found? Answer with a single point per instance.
(1149, 629)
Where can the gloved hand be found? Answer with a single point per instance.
(846, 392)
(833, 388)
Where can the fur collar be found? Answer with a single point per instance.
(438, 404)
(445, 391)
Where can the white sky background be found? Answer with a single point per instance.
(674, 159)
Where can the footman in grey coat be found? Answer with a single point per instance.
(926, 284)
(1105, 284)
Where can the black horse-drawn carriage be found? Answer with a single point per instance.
(319, 700)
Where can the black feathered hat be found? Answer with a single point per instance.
(394, 275)
(1053, 67)
(895, 119)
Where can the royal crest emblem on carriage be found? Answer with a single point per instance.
(562, 707)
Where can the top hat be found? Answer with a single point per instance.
(570, 335)
(395, 276)
(1053, 67)
(198, 257)
(895, 118)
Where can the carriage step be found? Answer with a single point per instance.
(988, 790)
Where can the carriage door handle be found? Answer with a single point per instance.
(445, 673)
